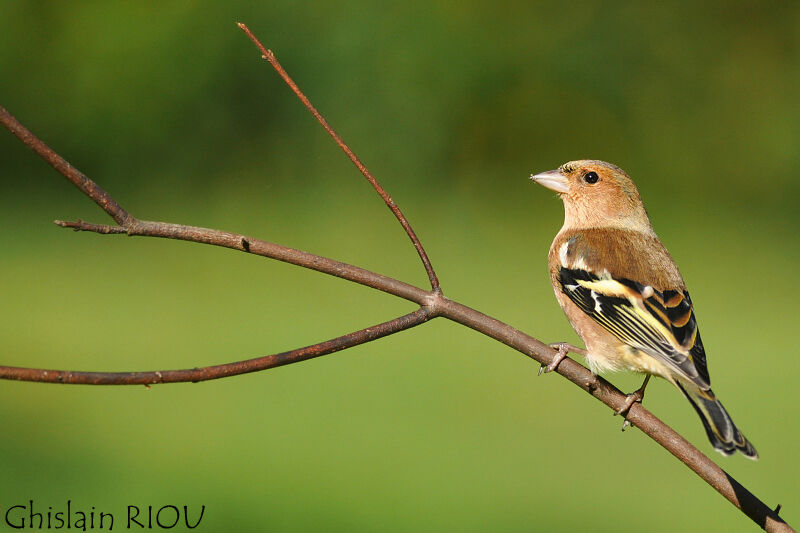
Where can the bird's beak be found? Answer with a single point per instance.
(552, 179)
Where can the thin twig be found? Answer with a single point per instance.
(219, 371)
(269, 56)
(235, 241)
(78, 178)
(638, 415)
(80, 225)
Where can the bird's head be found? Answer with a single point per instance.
(596, 194)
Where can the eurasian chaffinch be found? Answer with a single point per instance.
(623, 294)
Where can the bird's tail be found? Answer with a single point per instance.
(722, 432)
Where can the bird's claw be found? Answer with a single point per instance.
(630, 399)
(563, 349)
(635, 397)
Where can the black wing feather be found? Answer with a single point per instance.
(672, 309)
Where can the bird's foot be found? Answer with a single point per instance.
(630, 399)
(563, 349)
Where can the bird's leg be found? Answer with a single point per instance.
(630, 399)
(563, 349)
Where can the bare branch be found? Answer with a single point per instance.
(269, 56)
(243, 243)
(89, 187)
(219, 371)
(638, 415)
(80, 225)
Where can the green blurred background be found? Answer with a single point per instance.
(452, 106)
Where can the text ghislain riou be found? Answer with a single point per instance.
(32, 516)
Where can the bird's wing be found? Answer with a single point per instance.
(659, 323)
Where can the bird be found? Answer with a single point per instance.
(625, 297)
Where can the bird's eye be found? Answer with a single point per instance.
(591, 177)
